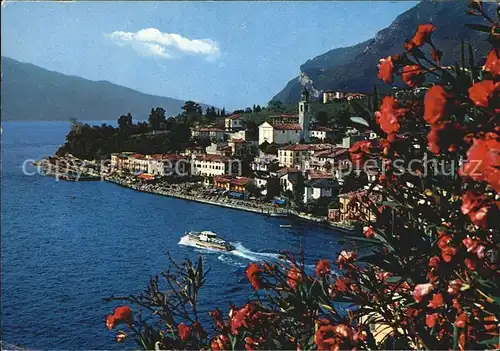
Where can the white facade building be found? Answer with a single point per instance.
(279, 133)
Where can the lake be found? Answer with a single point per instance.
(66, 246)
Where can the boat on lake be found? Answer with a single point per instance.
(285, 225)
(209, 239)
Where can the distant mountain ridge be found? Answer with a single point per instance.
(32, 93)
(354, 68)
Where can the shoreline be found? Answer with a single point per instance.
(278, 212)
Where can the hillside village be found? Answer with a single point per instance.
(292, 161)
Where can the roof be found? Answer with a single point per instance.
(291, 115)
(238, 140)
(210, 130)
(212, 158)
(285, 170)
(322, 129)
(138, 156)
(321, 183)
(286, 126)
(222, 179)
(236, 116)
(320, 175)
(331, 153)
(241, 181)
(146, 176)
(307, 147)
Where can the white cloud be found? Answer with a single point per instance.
(152, 42)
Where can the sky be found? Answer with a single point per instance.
(232, 54)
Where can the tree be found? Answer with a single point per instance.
(273, 188)
(248, 110)
(322, 118)
(156, 118)
(298, 192)
(125, 121)
(275, 105)
(191, 111)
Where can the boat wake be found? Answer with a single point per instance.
(231, 257)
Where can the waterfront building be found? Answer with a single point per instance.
(235, 185)
(233, 122)
(169, 165)
(222, 149)
(214, 165)
(281, 133)
(296, 155)
(356, 205)
(316, 188)
(288, 178)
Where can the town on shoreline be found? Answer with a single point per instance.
(292, 165)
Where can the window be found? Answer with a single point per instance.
(301, 108)
(282, 132)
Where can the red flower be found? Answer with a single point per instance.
(322, 268)
(184, 331)
(294, 277)
(461, 320)
(423, 34)
(251, 344)
(454, 287)
(447, 253)
(121, 314)
(341, 284)
(413, 75)
(434, 261)
(477, 207)
(443, 241)
(386, 70)
(220, 342)
(242, 317)
(481, 92)
(368, 232)
(421, 290)
(436, 302)
(253, 272)
(435, 102)
(217, 317)
(492, 63)
(389, 115)
(331, 337)
(483, 161)
(431, 319)
(470, 264)
(345, 257)
(436, 55)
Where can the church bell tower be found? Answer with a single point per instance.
(304, 114)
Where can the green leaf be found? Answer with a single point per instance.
(360, 120)
(480, 27)
(462, 54)
(492, 341)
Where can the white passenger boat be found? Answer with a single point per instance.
(208, 239)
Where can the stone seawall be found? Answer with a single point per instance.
(259, 210)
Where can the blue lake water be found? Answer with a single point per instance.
(61, 256)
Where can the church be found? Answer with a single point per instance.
(293, 131)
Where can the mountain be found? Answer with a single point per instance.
(354, 68)
(32, 93)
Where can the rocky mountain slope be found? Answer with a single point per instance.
(354, 69)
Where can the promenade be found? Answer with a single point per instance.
(195, 192)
